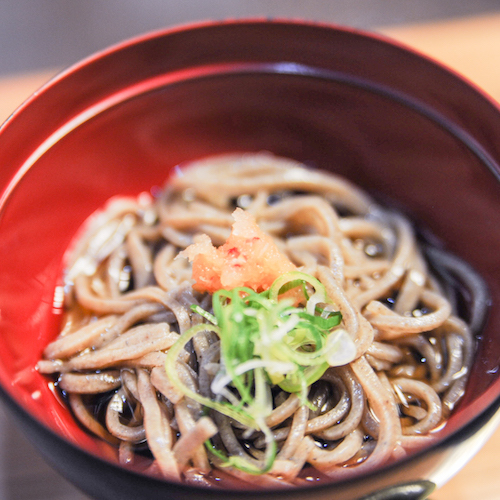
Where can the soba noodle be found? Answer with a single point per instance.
(130, 297)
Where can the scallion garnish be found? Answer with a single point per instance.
(285, 336)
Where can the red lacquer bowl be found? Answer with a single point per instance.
(401, 126)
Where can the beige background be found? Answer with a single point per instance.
(36, 34)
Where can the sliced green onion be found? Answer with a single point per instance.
(205, 314)
(276, 337)
(170, 367)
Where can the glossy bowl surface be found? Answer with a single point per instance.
(409, 131)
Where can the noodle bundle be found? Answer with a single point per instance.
(143, 359)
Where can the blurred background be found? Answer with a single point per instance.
(38, 37)
(37, 34)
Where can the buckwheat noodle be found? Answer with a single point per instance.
(128, 300)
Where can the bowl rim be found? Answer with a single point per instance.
(242, 21)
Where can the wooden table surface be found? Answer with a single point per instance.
(470, 46)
